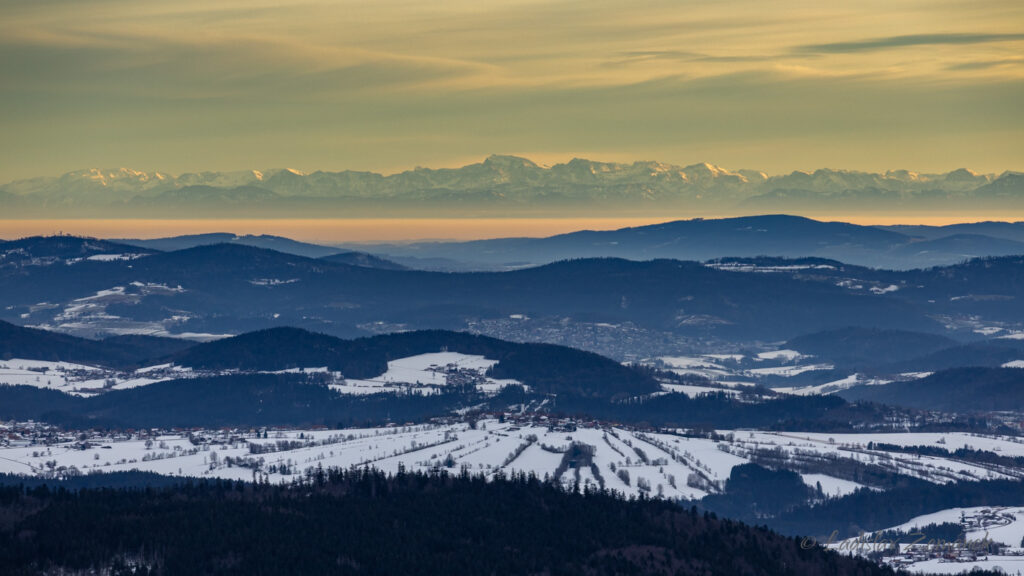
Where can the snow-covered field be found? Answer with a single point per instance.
(831, 486)
(707, 366)
(664, 464)
(741, 370)
(718, 367)
(428, 373)
(88, 315)
(422, 374)
(832, 387)
(1008, 564)
(74, 379)
(628, 461)
(1005, 445)
(789, 355)
(981, 525)
(766, 368)
(787, 371)
(694, 391)
(855, 447)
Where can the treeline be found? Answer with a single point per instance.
(962, 390)
(114, 352)
(755, 493)
(359, 522)
(864, 510)
(719, 410)
(861, 348)
(243, 400)
(304, 400)
(945, 532)
(131, 479)
(546, 368)
(991, 353)
(966, 454)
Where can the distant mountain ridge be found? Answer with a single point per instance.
(208, 291)
(500, 185)
(276, 243)
(115, 351)
(773, 235)
(962, 389)
(544, 367)
(776, 235)
(229, 288)
(547, 368)
(46, 249)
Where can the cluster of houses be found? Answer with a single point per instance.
(30, 433)
(972, 546)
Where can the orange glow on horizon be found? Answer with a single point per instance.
(356, 230)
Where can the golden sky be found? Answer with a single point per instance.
(927, 85)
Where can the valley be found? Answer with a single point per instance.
(805, 394)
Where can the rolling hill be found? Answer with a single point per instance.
(545, 368)
(966, 389)
(277, 243)
(114, 352)
(445, 523)
(230, 288)
(856, 347)
(700, 239)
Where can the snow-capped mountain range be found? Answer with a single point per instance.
(503, 183)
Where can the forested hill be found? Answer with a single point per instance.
(968, 389)
(435, 525)
(229, 289)
(363, 259)
(546, 368)
(859, 347)
(114, 352)
(45, 250)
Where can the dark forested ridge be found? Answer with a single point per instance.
(278, 243)
(777, 235)
(234, 400)
(247, 400)
(780, 500)
(712, 411)
(991, 353)
(953, 390)
(363, 259)
(858, 347)
(114, 352)
(546, 368)
(230, 288)
(367, 523)
(37, 250)
(866, 509)
(585, 384)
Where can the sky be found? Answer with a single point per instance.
(386, 85)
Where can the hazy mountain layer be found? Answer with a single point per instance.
(228, 288)
(502, 186)
(899, 247)
(705, 239)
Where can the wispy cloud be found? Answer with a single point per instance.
(905, 41)
(189, 84)
(986, 64)
(635, 56)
